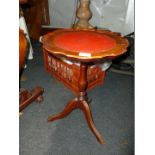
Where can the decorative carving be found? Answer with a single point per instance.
(69, 74)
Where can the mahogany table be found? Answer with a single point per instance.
(84, 46)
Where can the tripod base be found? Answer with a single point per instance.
(83, 105)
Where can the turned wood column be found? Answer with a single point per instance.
(83, 82)
(83, 14)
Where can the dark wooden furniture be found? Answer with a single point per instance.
(26, 97)
(68, 73)
(36, 14)
(23, 45)
(86, 47)
(23, 1)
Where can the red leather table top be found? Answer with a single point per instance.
(84, 45)
(84, 41)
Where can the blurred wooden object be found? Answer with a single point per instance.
(23, 46)
(23, 1)
(36, 14)
(26, 97)
(83, 14)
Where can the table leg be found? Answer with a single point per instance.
(68, 109)
(83, 104)
(80, 103)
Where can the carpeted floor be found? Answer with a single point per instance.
(112, 109)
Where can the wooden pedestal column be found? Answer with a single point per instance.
(80, 102)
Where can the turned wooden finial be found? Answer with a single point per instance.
(83, 14)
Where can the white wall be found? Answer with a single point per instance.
(61, 12)
(116, 15)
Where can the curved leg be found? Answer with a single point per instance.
(68, 109)
(85, 108)
(80, 102)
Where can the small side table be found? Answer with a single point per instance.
(84, 46)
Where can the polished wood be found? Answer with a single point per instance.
(26, 97)
(83, 14)
(49, 45)
(81, 101)
(68, 74)
(36, 14)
